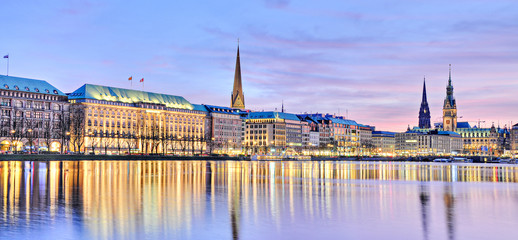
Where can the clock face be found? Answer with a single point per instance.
(447, 121)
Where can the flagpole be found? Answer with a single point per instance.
(8, 64)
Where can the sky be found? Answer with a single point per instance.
(364, 60)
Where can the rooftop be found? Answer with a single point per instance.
(265, 115)
(28, 85)
(113, 94)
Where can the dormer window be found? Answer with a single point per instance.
(36, 89)
(55, 91)
(6, 87)
(27, 89)
(16, 87)
(47, 91)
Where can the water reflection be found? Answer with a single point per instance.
(253, 200)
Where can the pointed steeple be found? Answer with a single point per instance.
(237, 99)
(424, 100)
(449, 109)
(282, 108)
(424, 111)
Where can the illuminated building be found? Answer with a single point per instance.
(274, 130)
(514, 140)
(483, 141)
(225, 129)
(366, 144)
(433, 142)
(384, 142)
(237, 99)
(449, 116)
(116, 120)
(424, 111)
(34, 115)
(336, 133)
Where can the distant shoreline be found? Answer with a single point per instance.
(65, 157)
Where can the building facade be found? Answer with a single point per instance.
(273, 132)
(428, 143)
(514, 140)
(225, 129)
(384, 143)
(34, 116)
(114, 120)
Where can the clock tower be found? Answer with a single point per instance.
(449, 109)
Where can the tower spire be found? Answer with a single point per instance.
(424, 111)
(237, 99)
(449, 109)
(449, 79)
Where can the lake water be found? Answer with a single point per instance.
(257, 200)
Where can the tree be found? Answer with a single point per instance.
(17, 127)
(63, 123)
(48, 129)
(77, 127)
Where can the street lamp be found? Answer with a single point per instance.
(29, 133)
(12, 137)
(67, 134)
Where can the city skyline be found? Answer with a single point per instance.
(362, 58)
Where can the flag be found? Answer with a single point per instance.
(6, 56)
(130, 78)
(142, 80)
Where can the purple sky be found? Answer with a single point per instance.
(367, 58)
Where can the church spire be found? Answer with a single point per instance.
(237, 99)
(424, 100)
(424, 111)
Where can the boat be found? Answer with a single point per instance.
(442, 160)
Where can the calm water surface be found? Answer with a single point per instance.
(256, 200)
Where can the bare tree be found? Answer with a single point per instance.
(77, 127)
(63, 126)
(48, 129)
(17, 127)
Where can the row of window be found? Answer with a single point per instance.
(30, 95)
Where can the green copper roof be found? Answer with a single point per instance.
(266, 115)
(28, 85)
(113, 94)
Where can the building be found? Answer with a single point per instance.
(514, 140)
(424, 111)
(114, 120)
(424, 143)
(384, 142)
(34, 115)
(484, 141)
(449, 110)
(237, 99)
(272, 132)
(366, 145)
(225, 129)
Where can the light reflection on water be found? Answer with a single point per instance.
(256, 200)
